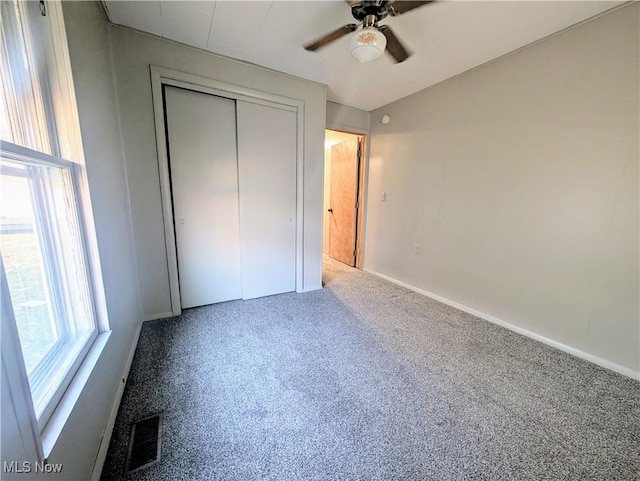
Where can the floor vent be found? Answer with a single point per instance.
(144, 443)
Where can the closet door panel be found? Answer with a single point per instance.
(201, 132)
(267, 180)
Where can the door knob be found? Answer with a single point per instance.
(330, 210)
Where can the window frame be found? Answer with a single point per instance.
(27, 156)
(59, 119)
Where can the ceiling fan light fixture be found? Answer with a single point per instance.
(368, 44)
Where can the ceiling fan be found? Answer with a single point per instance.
(369, 42)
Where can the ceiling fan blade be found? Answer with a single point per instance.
(330, 37)
(401, 6)
(394, 46)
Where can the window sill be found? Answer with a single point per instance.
(58, 419)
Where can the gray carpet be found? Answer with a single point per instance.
(366, 380)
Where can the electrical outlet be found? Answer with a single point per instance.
(417, 249)
(383, 196)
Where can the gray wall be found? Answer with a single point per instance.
(347, 119)
(88, 37)
(519, 180)
(133, 53)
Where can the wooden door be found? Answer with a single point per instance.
(343, 198)
(201, 133)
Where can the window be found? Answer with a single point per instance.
(46, 270)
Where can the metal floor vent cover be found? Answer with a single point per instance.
(144, 443)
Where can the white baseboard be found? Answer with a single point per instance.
(313, 288)
(525, 332)
(108, 431)
(160, 315)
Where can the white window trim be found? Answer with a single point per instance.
(18, 153)
(65, 90)
(47, 428)
(14, 367)
(60, 92)
(62, 412)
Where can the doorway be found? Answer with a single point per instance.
(343, 178)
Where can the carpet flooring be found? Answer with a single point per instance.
(366, 380)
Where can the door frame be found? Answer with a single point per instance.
(360, 194)
(161, 76)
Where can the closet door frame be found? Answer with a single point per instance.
(161, 76)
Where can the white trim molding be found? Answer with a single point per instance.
(625, 371)
(60, 415)
(158, 315)
(161, 76)
(108, 431)
(312, 288)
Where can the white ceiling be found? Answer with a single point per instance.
(447, 37)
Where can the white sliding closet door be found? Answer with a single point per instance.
(267, 142)
(201, 132)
